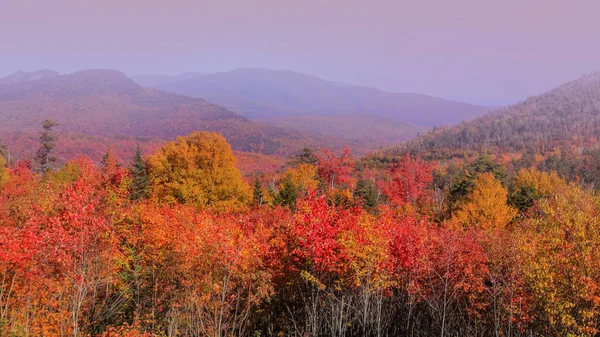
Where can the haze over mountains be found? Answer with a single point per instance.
(108, 103)
(263, 93)
(157, 80)
(310, 104)
(290, 110)
(21, 76)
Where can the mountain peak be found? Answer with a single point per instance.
(101, 75)
(22, 76)
(81, 83)
(99, 80)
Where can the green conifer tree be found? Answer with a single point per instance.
(257, 194)
(47, 144)
(287, 194)
(140, 183)
(368, 192)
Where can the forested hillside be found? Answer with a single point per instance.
(396, 183)
(557, 131)
(568, 116)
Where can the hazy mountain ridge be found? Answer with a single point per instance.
(108, 103)
(567, 116)
(263, 93)
(156, 80)
(22, 76)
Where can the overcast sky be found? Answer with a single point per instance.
(480, 51)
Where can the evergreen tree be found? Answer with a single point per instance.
(523, 198)
(368, 192)
(485, 164)
(140, 183)
(465, 181)
(257, 194)
(288, 194)
(47, 143)
(306, 156)
(3, 149)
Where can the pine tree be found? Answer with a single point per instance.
(140, 183)
(367, 191)
(288, 194)
(3, 150)
(109, 162)
(257, 194)
(306, 156)
(47, 143)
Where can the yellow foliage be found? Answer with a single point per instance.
(340, 196)
(66, 174)
(486, 207)
(198, 170)
(4, 174)
(561, 259)
(545, 183)
(303, 176)
(367, 254)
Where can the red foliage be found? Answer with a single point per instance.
(335, 170)
(316, 231)
(409, 182)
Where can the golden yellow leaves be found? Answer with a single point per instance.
(544, 183)
(4, 175)
(486, 207)
(198, 170)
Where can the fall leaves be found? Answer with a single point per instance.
(517, 253)
(198, 170)
(486, 206)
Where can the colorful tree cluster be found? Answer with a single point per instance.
(174, 245)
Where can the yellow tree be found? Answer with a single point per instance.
(198, 170)
(561, 258)
(486, 207)
(4, 174)
(304, 176)
(365, 243)
(544, 183)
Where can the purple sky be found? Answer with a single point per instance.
(480, 51)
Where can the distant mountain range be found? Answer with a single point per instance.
(296, 100)
(264, 93)
(258, 110)
(107, 103)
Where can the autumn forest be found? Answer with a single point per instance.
(412, 241)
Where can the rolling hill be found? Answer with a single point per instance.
(566, 117)
(106, 103)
